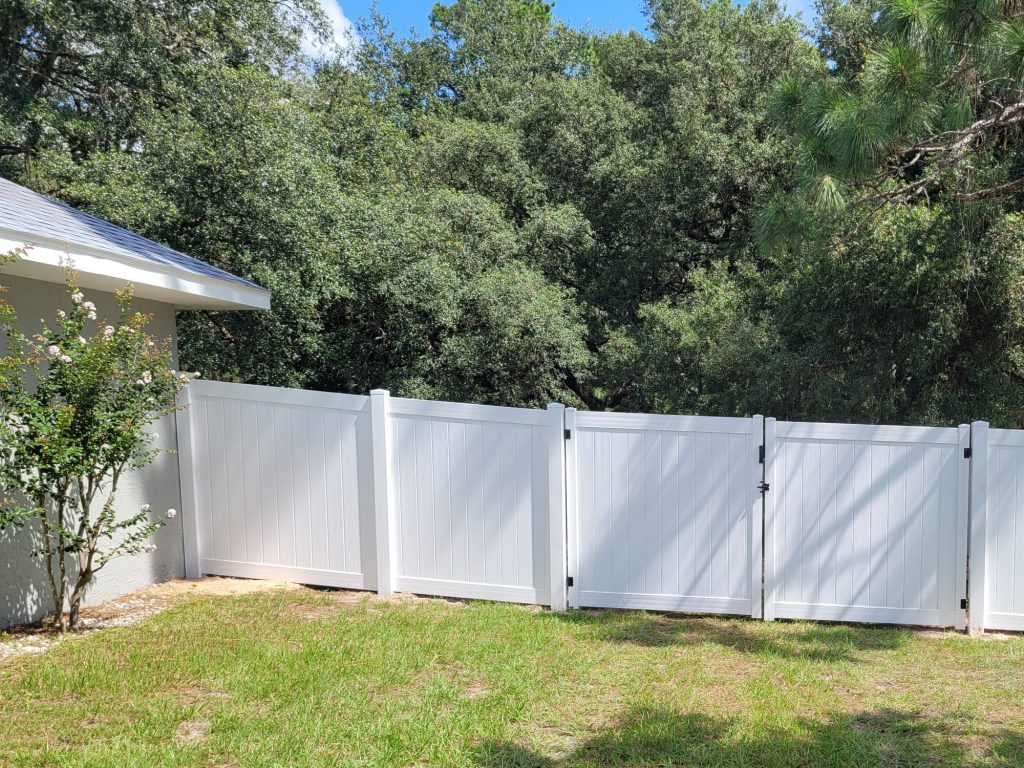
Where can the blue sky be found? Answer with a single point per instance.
(600, 14)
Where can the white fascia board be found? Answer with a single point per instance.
(46, 260)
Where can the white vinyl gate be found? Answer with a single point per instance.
(665, 512)
(866, 523)
(743, 516)
(997, 528)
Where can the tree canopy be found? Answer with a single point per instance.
(732, 213)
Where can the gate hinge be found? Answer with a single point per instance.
(963, 603)
(967, 453)
(568, 434)
(760, 454)
(568, 581)
(763, 487)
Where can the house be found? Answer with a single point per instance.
(106, 257)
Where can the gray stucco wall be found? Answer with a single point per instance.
(24, 592)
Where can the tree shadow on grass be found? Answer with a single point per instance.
(649, 736)
(818, 642)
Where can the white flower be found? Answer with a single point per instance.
(146, 507)
(197, 375)
(77, 297)
(108, 332)
(65, 358)
(171, 513)
(147, 377)
(61, 314)
(156, 435)
(92, 314)
(81, 340)
(90, 306)
(149, 548)
(54, 350)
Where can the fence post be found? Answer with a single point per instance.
(768, 547)
(980, 534)
(572, 512)
(756, 517)
(556, 505)
(187, 479)
(383, 509)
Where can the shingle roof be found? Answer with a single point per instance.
(30, 213)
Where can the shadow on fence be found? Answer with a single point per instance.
(884, 737)
(819, 642)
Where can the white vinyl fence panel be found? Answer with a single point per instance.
(666, 512)
(866, 523)
(1000, 561)
(281, 484)
(471, 496)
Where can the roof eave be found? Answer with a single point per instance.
(47, 261)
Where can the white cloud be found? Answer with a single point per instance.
(343, 36)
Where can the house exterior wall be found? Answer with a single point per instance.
(24, 591)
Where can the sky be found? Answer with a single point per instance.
(601, 15)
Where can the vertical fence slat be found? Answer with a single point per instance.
(383, 506)
(557, 505)
(769, 548)
(187, 476)
(980, 532)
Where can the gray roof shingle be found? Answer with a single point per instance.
(30, 213)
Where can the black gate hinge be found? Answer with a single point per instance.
(568, 581)
(760, 454)
(967, 453)
(763, 487)
(963, 603)
(568, 434)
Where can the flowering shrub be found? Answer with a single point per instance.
(74, 411)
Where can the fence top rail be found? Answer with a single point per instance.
(1006, 437)
(662, 422)
(436, 409)
(800, 430)
(278, 396)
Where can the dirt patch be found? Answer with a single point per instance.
(475, 691)
(191, 732)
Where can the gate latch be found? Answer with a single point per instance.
(763, 487)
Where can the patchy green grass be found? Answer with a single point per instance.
(310, 678)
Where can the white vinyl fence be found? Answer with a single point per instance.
(374, 492)
(744, 516)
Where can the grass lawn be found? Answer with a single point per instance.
(313, 678)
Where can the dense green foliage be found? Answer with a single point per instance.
(508, 210)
